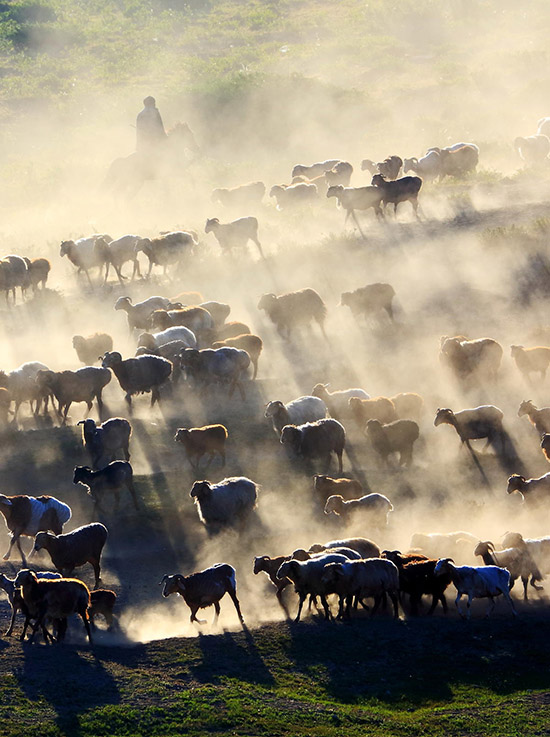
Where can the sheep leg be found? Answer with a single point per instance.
(257, 242)
(377, 601)
(534, 585)
(339, 456)
(358, 226)
(282, 604)
(393, 597)
(136, 269)
(490, 607)
(457, 604)
(193, 617)
(120, 277)
(88, 277)
(300, 605)
(216, 612)
(324, 602)
(97, 571)
(508, 598)
(12, 542)
(12, 621)
(233, 594)
(155, 395)
(128, 400)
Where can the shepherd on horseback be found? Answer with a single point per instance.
(149, 128)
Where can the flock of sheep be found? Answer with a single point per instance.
(185, 343)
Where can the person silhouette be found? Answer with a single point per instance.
(149, 127)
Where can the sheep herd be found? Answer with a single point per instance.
(186, 346)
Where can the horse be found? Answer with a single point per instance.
(126, 175)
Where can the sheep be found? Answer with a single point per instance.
(83, 385)
(362, 578)
(537, 489)
(204, 588)
(370, 166)
(115, 476)
(218, 310)
(337, 402)
(376, 408)
(104, 441)
(171, 351)
(405, 189)
(458, 160)
(369, 300)
(316, 440)
(538, 548)
(416, 578)
(395, 437)
(27, 515)
(458, 544)
(252, 344)
(529, 360)
(480, 422)
(223, 365)
(139, 314)
(270, 566)
(301, 554)
(198, 441)
(294, 194)
(376, 506)
(22, 386)
(228, 503)
(357, 198)
(390, 167)
(365, 548)
(82, 253)
(306, 577)
(288, 310)
(38, 270)
(137, 375)
(533, 149)
(325, 486)
(408, 405)
(476, 582)
(244, 194)
(231, 329)
(14, 272)
(298, 412)
(152, 341)
(118, 253)
(54, 598)
(74, 549)
(428, 167)
(235, 234)
(539, 418)
(339, 174)
(196, 319)
(89, 349)
(517, 562)
(169, 248)
(102, 601)
(315, 170)
(16, 601)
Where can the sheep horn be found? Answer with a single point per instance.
(164, 578)
(490, 545)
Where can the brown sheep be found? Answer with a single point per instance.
(325, 486)
(198, 441)
(377, 408)
(531, 360)
(287, 310)
(102, 601)
(408, 405)
(396, 437)
(369, 300)
(466, 358)
(252, 344)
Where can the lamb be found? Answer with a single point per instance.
(252, 344)
(56, 599)
(288, 310)
(139, 314)
(376, 506)
(340, 174)
(102, 601)
(365, 548)
(316, 440)
(473, 424)
(104, 441)
(170, 248)
(198, 441)
(114, 477)
(74, 549)
(297, 412)
(369, 300)
(83, 254)
(529, 360)
(539, 418)
(235, 234)
(533, 149)
(83, 385)
(118, 253)
(325, 487)
(226, 504)
(152, 341)
(405, 189)
(16, 600)
(244, 194)
(457, 544)
(14, 272)
(517, 561)
(537, 489)
(538, 548)
(363, 578)
(428, 167)
(89, 349)
(476, 582)
(290, 195)
(38, 270)
(196, 319)
(395, 437)
(376, 408)
(27, 515)
(416, 578)
(315, 170)
(223, 365)
(205, 588)
(357, 198)
(337, 401)
(306, 577)
(137, 375)
(458, 160)
(22, 386)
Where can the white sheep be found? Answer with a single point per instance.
(227, 503)
(297, 412)
(363, 578)
(376, 506)
(337, 401)
(476, 582)
(235, 234)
